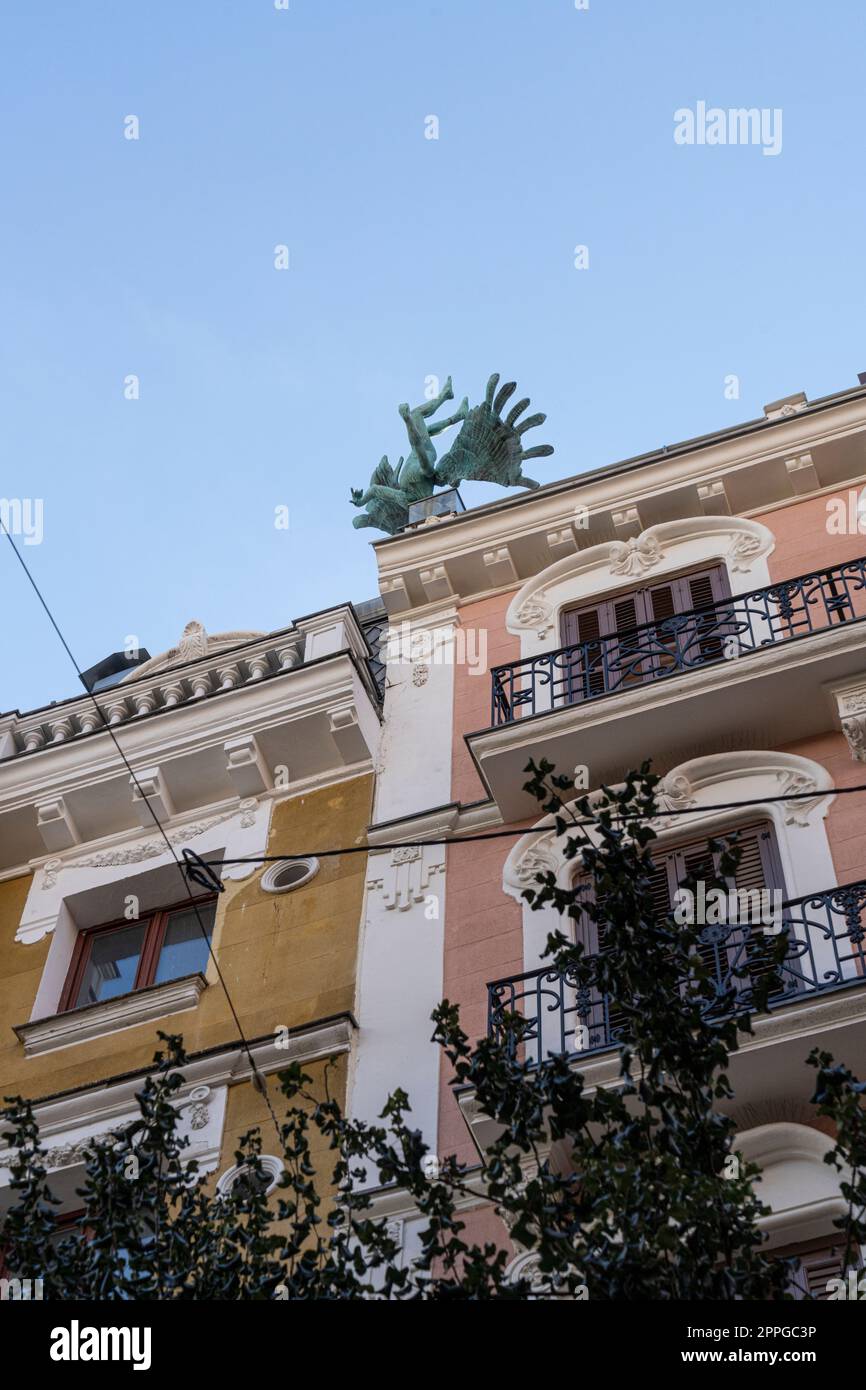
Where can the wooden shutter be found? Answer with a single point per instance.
(817, 1262)
(637, 657)
(584, 671)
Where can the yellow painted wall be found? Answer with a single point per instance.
(288, 959)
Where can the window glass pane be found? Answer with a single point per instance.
(184, 950)
(112, 964)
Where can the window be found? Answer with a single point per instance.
(726, 953)
(124, 956)
(640, 635)
(292, 873)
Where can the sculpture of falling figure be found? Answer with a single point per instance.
(487, 449)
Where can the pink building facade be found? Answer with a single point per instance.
(701, 606)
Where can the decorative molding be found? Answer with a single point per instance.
(245, 766)
(420, 673)
(851, 711)
(686, 786)
(56, 824)
(535, 612)
(744, 551)
(151, 797)
(665, 547)
(794, 782)
(406, 878)
(636, 555)
(109, 1016)
(152, 848)
(194, 643)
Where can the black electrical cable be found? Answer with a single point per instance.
(814, 795)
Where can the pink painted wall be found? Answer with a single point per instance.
(803, 542)
(472, 692)
(483, 942)
(483, 926)
(846, 819)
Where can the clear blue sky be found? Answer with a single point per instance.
(409, 257)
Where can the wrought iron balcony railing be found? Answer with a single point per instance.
(655, 651)
(825, 934)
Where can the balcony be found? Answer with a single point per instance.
(755, 666)
(825, 931)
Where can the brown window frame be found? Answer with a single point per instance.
(155, 923)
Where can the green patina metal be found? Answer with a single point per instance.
(489, 448)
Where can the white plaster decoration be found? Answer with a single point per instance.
(110, 1016)
(34, 739)
(435, 583)
(61, 730)
(145, 703)
(795, 783)
(7, 737)
(499, 566)
(245, 765)
(193, 644)
(746, 776)
(200, 685)
(395, 596)
(635, 556)
(56, 824)
(151, 797)
(174, 693)
(346, 733)
(117, 711)
(259, 667)
(713, 498)
(240, 832)
(787, 406)
(229, 677)
(289, 657)
(273, 1168)
(403, 876)
(197, 1104)
(88, 720)
(743, 552)
(626, 522)
(537, 613)
(72, 1126)
(803, 474)
(850, 700)
(561, 542)
(608, 568)
(420, 673)
(400, 984)
(288, 875)
(802, 1191)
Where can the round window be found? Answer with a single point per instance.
(289, 874)
(241, 1176)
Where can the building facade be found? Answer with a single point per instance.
(701, 606)
(241, 745)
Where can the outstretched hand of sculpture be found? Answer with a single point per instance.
(489, 448)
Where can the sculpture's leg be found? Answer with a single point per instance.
(526, 482)
(362, 520)
(459, 415)
(419, 438)
(430, 407)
